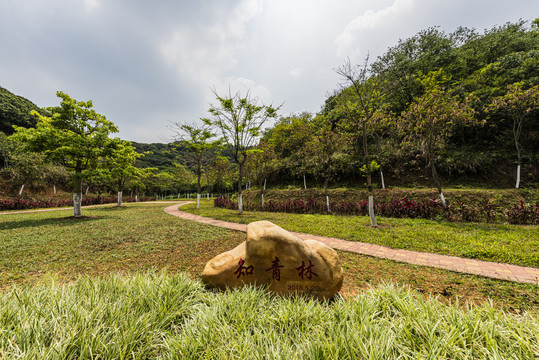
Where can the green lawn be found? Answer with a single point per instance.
(514, 244)
(44, 246)
(62, 299)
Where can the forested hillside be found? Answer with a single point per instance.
(15, 110)
(461, 105)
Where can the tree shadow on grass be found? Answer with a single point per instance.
(62, 221)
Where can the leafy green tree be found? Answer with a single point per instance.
(120, 165)
(240, 120)
(26, 168)
(164, 181)
(6, 147)
(324, 149)
(366, 102)
(519, 105)
(183, 177)
(288, 138)
(221, 172)
(261, 162)
(74, 135)
(197, 138)
(429, 120)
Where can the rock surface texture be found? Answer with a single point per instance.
(273, 256)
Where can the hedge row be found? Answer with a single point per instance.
(22, 203)
(400, 208)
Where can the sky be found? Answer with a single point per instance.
(149, 64)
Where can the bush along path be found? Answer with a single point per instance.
(470, 266)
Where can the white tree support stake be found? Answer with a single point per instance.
(442, 198)
(518, 177)
(382, 176)
(240, 203)
(77, 200)
(327, 201)
(198, 200)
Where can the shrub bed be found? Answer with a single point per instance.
(399, 208)
(23, 203)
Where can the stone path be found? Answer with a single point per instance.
(484, 268)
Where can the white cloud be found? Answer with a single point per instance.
(352, 41)
(204, 51)
(296, 72)
(91, 5)
(241, 85)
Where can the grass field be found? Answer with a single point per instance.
(62, 298)
(513, 244)
(37, 247)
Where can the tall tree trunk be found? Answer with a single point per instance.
(77, 191)
(369, 177)
(326, 193)
(22, 188)
(240, 200)
(382, 177)
(120, 193)
(517, 185)
(517, 130)
(304, 182)
(199, 174)
(518, 177)
(54, 189)
(437, 182)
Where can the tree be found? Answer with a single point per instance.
(222, 173)
(197, 139)
(120, 166)
(429, 120)
(368, 101)
(261, 163)
(518, 105)
(240, 119)
(288, 138)
(74, 135)
(324, 149)
(26, 168)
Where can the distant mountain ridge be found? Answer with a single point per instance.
(15, 110)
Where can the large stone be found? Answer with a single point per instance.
(272, 256)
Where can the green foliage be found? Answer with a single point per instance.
(158, 155)
(15, 110)
(120, 165)
(74, 135)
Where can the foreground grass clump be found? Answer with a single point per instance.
(491, 242)
(155, 315)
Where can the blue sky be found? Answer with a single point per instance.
(148, 64)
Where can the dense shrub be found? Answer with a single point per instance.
(398, 208)
(22, 203)
(524, 214)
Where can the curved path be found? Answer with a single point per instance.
(477, 267)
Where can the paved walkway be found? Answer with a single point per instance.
(484, 268)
